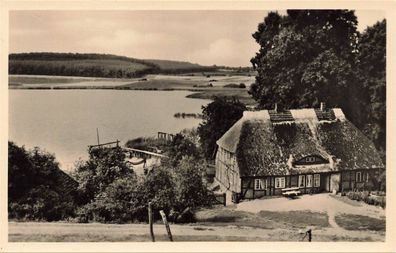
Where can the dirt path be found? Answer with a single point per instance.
(71, 232)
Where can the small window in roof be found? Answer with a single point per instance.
(311, 159)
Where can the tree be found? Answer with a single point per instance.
(105, 165)
(312, 56)
(20, 172)
(218, 117)
(179, 147)
(191, 191)
(117, 203)
(372, 73)
(306, 57)
(33, 191)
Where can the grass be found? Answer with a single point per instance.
(160, 84)
(124, 238)
(213, 224)
(20, 80)
(241, 94)
(297, 219)
(345, 200)
(264, 219)
(360, 222)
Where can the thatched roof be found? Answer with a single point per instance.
(65, 184)
(268, 143)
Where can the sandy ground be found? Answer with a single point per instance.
(315, 203)
(216, 81)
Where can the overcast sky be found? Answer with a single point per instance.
(204, 37)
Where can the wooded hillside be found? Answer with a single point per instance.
(95, 65)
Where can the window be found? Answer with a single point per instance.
(316, 180)
(279, 182)
(358, 176)
(309, 180)
(301, 181)
(260, 184)
(310, 159)
(367, 177)
(257, 184)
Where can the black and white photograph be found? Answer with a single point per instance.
(196, 125)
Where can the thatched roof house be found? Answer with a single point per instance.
(64, 183)
(266, 151)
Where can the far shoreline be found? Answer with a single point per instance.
(200, 87)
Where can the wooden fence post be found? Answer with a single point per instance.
(163, 215)
(309, 233)
(150, 217)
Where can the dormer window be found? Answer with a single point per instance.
(311, 159)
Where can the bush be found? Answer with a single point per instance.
(187, 216)
(34, 191)
(103, 167)
(234, 85)
(42, 204)
(367, 197)
(120, 202)
(190, 188)
(181, 146)
(145, 143)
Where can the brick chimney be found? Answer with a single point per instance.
(322, 106)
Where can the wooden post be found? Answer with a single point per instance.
(150, 217)
(163, 215)
(97, 134)
(309, 233)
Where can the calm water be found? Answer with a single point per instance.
(64, 122)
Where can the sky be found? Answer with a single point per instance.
(203, 37)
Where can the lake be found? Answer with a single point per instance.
(64, 122)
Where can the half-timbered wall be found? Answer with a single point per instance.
(227, 172)
(307, 183)
(273, 185)
(357, 180)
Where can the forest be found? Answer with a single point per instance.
(96, 65)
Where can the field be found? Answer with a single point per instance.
(204, 86)
(279, 219)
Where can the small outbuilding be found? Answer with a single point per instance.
(312, 150)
